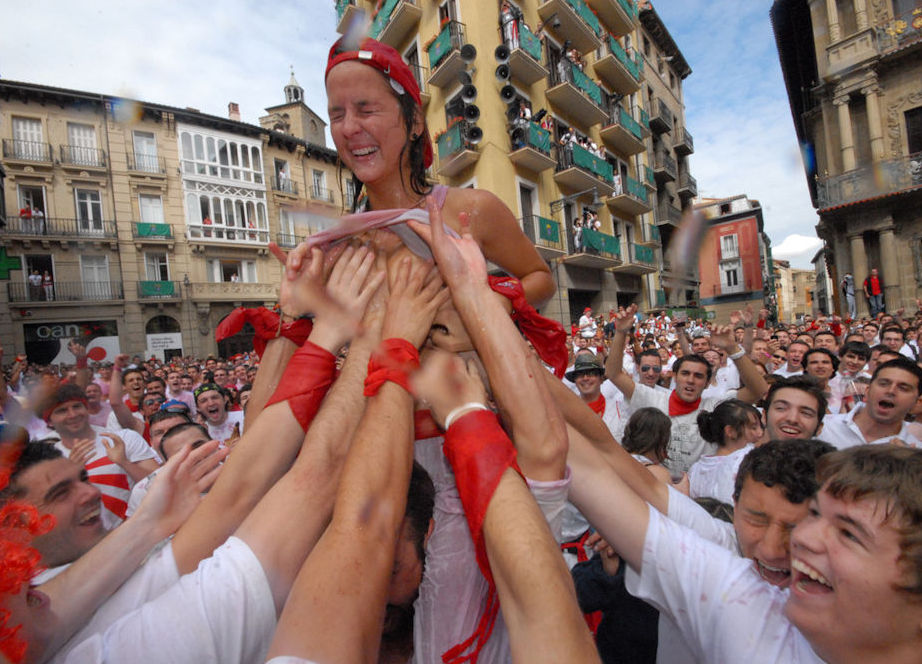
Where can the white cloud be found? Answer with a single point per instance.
(794, 246)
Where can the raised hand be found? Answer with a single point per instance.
(722, 337)
(416, 293)
(121, 361)
(77, 349)
(446, 382)
(115, 448)
(735, 318)
(624, 320)
(460, 261)
(352, 282)
(83, 451)
(747, 315)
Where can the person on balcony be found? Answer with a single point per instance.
(874, 291)
(510, 26)
(48, 286)
(35, 286)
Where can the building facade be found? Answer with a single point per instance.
(853, 73)
(823, 288)
(734, 263)
(147, 224)
(546, 105)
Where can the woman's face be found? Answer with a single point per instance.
(366, 122)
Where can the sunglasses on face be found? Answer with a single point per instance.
(778, 357)
(152, 402)
(649, 367)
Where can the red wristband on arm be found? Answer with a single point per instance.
(307, 378)
(266, 326)
(394, 360)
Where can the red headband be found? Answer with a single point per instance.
(50, 409)
(388, 61)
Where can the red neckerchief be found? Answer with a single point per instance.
(678, 407)
(425, 426)
(131, 405)
(598, 406)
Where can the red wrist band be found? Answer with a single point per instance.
(81, 362)
(394, 361)
(307, 378)
(761, 323)
(267, 326)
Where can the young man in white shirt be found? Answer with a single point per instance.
(212, 404)
(795, 355)
(894, 389)
(174, 390)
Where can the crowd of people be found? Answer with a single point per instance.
(413, 465)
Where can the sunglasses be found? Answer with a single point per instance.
(152, 402)
(779, 357)
(650, 367)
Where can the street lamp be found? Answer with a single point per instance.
(596, 204)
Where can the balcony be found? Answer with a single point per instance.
(644, 122)
(623, 133)
(546, 235)
(33, 152)
(888, 177)
(618, 15)
(901, 33)
(688, 187)
(661, 121)
(684, 145)
(579, 169)
(664, 168)
(421, 74)
(614, 66)
(525, 57)
(41, 228)
(211, 233)
(445, 55)
(65, 292)
(284, 185)
(640, 260)
(660, 297)
(594, 249)
(145, 233)
(575, 94)
(395, 22)
(668, 214)
(650, 235)
(159, 291)
(288, 240)
(629, 200)
(346, 11)
(78, 157)
(531, 147)
(228, 291)
(851, 52)
(649, 180)
(577, 23)
(148, 164)
(456, 153)
(322, 195)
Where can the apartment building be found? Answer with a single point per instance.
(544, 104)
(854, 79)
(147, 224)
(735, 260)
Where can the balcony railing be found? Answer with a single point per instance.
(285, 185)
(684, 143)
(220, 233)
(566, 72)
(26, 150)
(453, 141)
(544, 232)
(890, 176)
(668, 214)
(665, 165)
(641, 254)
(529, 41)
(649, 178)
(159, 290)
(66, 291)
(651, 234)
(603, 244)
(450, 38)
(621, 116)
(382, 17)
(688, 186)
(530, 134)
(575, 155)
(148, 231)
(584, 12)
(661, 120)
(288, 240)
(634, 64)
(322, 194)
(57, 227)
(146, 163)
(421, 74)
(76, 155)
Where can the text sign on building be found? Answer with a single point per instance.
(47, 343)
(165, 345)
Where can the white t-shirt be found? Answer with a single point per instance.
(221, 612)
(842, 432)
(223, 432)
(112, 421)
(723, 608)
(685, 444)
(587, 326)
(109, 477)
(715, 476)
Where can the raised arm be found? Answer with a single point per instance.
(329, 617)
(125, 418)
(614, 365)
(754, 385)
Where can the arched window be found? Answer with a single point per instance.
(162, 325)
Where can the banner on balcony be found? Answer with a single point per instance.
(548, 230)
(47, 343)
(153, 230)
(156, 289)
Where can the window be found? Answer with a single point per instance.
(220, 157)
(216, 216)
(319, 184)
(81, 145)
(151, 208)
(283, 177)
(156, 266)
(27, 140)
(646, 46)
(725, 208)
(231, 271)
(350, 193)
(729, 247)
(412, 60)
(89, 210)
(145, 152)
(914, 130)
(32, 197)
(731, 277)
(94, 272)
(672, 80)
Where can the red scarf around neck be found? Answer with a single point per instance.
(678, 407)
(598, 406)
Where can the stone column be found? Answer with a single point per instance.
(846, 139)
(861, 14)
(890, 268)
(832, 20)
(859, 271)
(876, 131)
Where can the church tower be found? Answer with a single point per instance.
(295, 117)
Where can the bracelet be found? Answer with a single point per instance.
(738, 354)
(461, 410)
(394, 361)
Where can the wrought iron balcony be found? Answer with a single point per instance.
(445, 54)
(531, 146)
(684, 145)
(576, 94)
(159, 290)
(456, 152)
(668, 214)
(621, 69)
(664, 168)
(26, 150)
(630, 199)
(580, 169)
(885, 178)
(661, 118)
(81, 157)
(39, 226)
(623, 132)
(395, 21)
(322, 194)
(575, 22)
(146, 163)
(148, 232)
(546, 234)
(66, 291)
(285, 185)
(421, 74)
(233, 291)
(639, 260)
(590, 248)
(219, 233)
(288, 240)
(525, 56)
(688, 186)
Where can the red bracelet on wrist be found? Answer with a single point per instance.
(394, 360)
(267, 325)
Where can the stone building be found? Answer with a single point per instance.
(853, 73)
(152, 222)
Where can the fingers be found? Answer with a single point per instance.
(278, 253)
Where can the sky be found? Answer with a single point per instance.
(193, 54)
